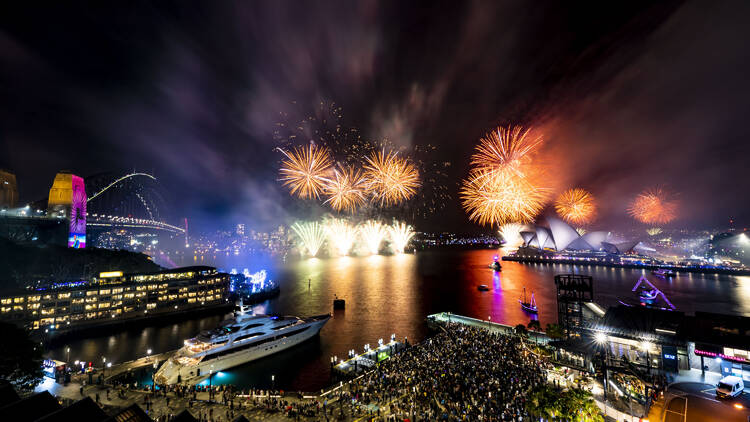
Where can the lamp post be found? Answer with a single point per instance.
(104, 365)
(67, 350)
(148, 355)
(273, 382)
(601, 339)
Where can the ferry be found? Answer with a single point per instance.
(663, 272)
(483, 288)
(528, 306)
(495, 265)
(236, 341)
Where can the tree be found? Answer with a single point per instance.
(554, 331)
(572, 405)
(521, 330)
(20, 359)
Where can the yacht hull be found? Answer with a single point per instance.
(175, 373)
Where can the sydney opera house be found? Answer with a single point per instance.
(558, 236)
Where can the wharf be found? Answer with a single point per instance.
(442, 318)
(593, 262)
(361, 363)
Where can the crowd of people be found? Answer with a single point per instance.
(463, 373)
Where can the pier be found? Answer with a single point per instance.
(359, 363)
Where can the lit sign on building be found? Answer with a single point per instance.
(110, 274)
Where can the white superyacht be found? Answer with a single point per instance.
(236, 341)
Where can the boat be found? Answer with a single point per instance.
(238, 340)
(528, 306)
(495, 265)
(663, 272)
(483, 288)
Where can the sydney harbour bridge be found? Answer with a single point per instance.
(130, 201)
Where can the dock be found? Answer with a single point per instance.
(357, 364)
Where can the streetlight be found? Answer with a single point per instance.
(104, 363)
(148, 354)
(68, 351)
(273, 382)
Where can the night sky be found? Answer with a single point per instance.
(628, 96)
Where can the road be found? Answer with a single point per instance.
(697, 402)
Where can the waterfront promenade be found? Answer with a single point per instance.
(470, 369)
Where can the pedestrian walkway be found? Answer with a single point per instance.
(447, 317)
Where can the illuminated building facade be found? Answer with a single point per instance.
(67, 198)
(8, 190)
(114, 297)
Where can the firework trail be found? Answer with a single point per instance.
(505, 149)
(499, 197)
(400, 234)
(345, 190)
(372, 233)
(654, 231)
(304, 170)
(391, 179)
(576, 206)
(341, 235)
(311, 235)
(511, 234)
(502, 184)
(653, 206)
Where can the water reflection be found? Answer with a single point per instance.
(393, 294)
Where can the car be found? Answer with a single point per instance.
(730, 386)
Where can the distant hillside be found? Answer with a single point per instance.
(21, 265)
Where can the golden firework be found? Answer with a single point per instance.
(511, 234)
(501, 196)
(304, 170)
(576, 206)
(653, 206)
(391, 179)
(505, 149)
(345, 189)
(341, 235)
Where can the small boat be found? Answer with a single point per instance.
(495, 265)
(339, 303)
(528, 306)
(483, 288)
(663, 272)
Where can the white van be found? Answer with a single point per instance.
(730, 386)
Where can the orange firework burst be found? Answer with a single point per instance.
(304, 170)
(391, 179)
(505, 148)
(501, 196)
(653, 207)
(576, 206)
(345, 189)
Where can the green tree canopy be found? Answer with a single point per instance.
(20, 359)
(572, 405)
(554, 331)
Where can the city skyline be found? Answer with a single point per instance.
(198, 108)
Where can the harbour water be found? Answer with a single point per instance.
(394, 294)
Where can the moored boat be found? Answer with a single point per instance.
(529, 306)
(236, 341)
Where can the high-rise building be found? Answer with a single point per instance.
(241, 229)
(8, 190)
